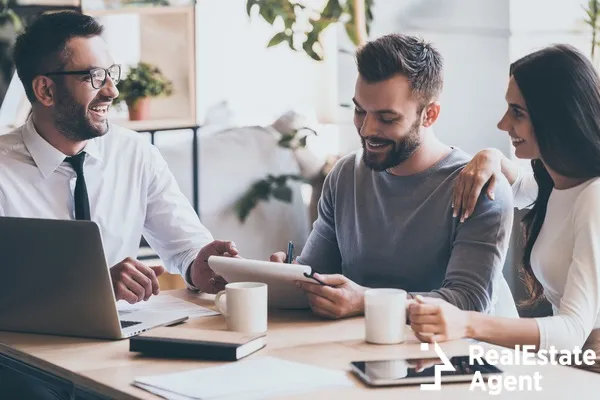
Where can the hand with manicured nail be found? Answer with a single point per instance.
(484, 169)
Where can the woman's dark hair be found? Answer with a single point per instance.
(562, 93)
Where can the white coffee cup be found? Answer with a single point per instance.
(244, 306)
(385, 315)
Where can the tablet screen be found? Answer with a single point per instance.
(413, 371)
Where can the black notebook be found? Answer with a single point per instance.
(196, 343)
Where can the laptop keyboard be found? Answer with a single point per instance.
(127, 324)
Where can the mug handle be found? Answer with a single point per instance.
(219, 304)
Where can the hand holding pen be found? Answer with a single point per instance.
(288, 258)
(290, 253)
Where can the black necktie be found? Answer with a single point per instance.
(82, 203)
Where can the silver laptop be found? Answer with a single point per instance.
(54, 280)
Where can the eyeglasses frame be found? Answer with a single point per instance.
(90, 72)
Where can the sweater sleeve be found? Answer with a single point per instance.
(524, 189)
(321, 250)
(580, 304)
(478, 254)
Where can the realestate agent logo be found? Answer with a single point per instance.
(438, 368)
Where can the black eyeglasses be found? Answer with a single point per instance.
(98, 76)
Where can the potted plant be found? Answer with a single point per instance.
(143, 82)
(277, 186)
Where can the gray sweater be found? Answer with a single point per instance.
(382, 230)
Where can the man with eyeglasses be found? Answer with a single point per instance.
(68, 162)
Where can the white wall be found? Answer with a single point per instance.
(261, 83)
(538, 23)
(535, 24)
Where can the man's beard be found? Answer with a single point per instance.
(400, 151)
(72, 121)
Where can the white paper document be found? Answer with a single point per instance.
(259, 378)
(163, 303)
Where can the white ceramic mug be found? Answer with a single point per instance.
(244, 306)
(385, 316)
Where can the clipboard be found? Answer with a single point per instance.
(279, 277)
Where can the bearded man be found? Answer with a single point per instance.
(385, 214)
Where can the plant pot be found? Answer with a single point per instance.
(139, 109)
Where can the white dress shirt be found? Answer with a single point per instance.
(130, 188)
(566, 260)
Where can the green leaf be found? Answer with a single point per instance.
(369, 14)
(318, 26)
(285, 141)
(260, 190)
(288, 23)
(249, 5)
(280, 180)
(283, 193)
(350, 27)
(312, 42)
(307, 47)
(302, 141)
(16, 21)
(268, 14)
(319, 50)
(290, 40)
(278, 38)
(332, 10)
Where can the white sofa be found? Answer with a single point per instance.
(230, 160)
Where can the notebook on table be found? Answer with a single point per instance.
(197, 343)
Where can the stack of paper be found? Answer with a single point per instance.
(249, 379)
(164, 303)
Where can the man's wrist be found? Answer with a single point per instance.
(188, 278)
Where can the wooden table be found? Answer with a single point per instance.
(107, 368)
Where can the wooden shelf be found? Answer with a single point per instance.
(141, 10)
(155, 124)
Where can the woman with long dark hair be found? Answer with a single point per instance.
(553, 119)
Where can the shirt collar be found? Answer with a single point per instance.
(93, 150)
(47, 157)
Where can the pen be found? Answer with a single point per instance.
(290, 253)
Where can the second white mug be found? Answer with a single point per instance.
(385, 316)
(244, 306)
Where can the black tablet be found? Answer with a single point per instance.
(418, 371)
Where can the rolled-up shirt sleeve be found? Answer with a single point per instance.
(172, 227)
